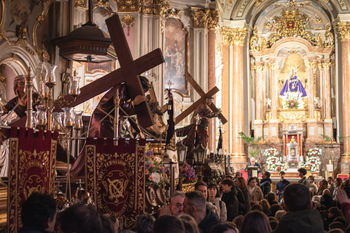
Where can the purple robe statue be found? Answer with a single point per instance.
(293, 85)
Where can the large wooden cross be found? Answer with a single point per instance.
(128, 73)
(203, 95)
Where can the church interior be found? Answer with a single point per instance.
(94, 93)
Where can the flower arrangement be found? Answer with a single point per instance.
(277, 167)
(189, 174)
(310, 167)
(271, 152)
(313, 160)
(292, 103)
(155, 172)
(314, 152)
(272, 160)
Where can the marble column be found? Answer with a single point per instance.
(225, 90)
(258, 127)
(273, 123)
(235, 37)
(343, 29)
(320, 68)
(328, 129)
(211, 84)
(312, 125)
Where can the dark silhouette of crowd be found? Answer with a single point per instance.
(231, 206)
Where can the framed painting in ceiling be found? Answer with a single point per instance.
(175, 50)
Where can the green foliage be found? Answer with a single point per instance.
(252, 148)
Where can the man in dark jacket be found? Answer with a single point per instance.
(195, 206)
(300, 216)
(281, 185)
(327, 199)
(265, 183)
(38, 214)
(303, 180)
(233, 199)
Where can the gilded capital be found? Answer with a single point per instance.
(326, 65)
(213, 19)
(128, 22)
(344, 30)
(233, 36)
(272, 66)
(200, 17)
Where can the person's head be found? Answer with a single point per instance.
(265, 205)
(334, 212)
(241, 183)
(238, 221)
(225, 227)
(336, 230)
(19, 84)
(190, 223)
(337, 225)
(274, 208)
(114, 221)
(202, 187)
(176, 203)
(39, 210)
(238, 174)
(330, 180)
(266, 175)
(144, 223)
(296, 197)
(341, 220)
(256, 207)
(209, 100)
(80, 218)
(282, 175)
(255, 222)
(194, 205)
(270, 196)
(302, 172)
(213, 191)
(315, 205)
(226, 185)
(311, 179)
(252, 182)
(252, 161)
(323, 184)
(107, 224)
(338, 182)
(169, 224)
(280, 213)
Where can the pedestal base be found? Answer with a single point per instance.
(293, 164)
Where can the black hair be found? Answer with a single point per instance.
(37, 210)
(297, 197)
(80, 218)
(199, 183)
(168, 224)
(224, 226)
(267, 174)
(144, 223)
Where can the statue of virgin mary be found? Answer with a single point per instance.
(294, 85)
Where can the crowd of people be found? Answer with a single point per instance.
(233, 205)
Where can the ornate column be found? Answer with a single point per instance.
(258, 127)
(321, 89)
(328, 129)
(312, 125)
(236, 38)
(273, 122)
(343, 29)
(225, 90)
(212, 24)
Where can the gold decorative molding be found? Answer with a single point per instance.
(200, 17)
(2, 78)
(166, 13)
(296, 116)
(233, 36)
(258, 2)
(81, 4)
(326, 65)
(344, 30)
(290, 24)
(213, 19)
(128, 5)
(128, 21)
(271, 66)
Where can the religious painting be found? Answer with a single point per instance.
(103, 67)
(99, 17)
(175, 55)
(22, 17)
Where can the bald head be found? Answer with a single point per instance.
(252, 161)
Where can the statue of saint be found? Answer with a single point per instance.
(294, 85)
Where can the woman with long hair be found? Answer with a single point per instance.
(214, 197)
(338, 183)
(323, 186)
(255, 192)
(242, 185)
(256, 222)
(266, 206)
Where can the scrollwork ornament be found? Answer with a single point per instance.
(213, 19)
(344, 30)
(234, 36)
(326, 65)
(128, 21)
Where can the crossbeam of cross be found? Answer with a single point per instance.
(128, 72)
(203, 96)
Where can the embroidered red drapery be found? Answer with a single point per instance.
(115, 177)
(31, 169)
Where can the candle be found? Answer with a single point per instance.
(69, 123)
